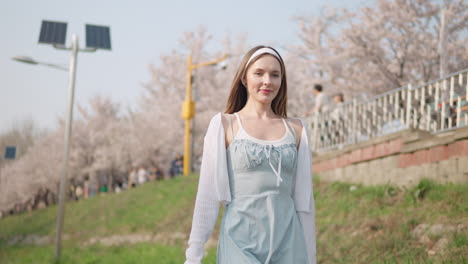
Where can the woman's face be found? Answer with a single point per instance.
(263, 79)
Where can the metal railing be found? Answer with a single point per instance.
(436, 106)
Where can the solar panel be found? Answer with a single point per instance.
(10, 152)
(53, 32)
(98, 37)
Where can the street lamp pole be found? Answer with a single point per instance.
(63, 176)
(68, 126)
(97, 37)
(188, 108)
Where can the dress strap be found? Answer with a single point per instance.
(232, 129)
(239, 121)
(289, 128)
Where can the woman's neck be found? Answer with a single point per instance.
(257, 110)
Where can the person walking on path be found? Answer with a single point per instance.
(322, 101)
(257, 163)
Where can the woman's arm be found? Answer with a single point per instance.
(207, 201)
(303, 191)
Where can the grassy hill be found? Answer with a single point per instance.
(150, 224)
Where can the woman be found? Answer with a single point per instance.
(258, 164)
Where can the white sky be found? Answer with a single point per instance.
(141, 31)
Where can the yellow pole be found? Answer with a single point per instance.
(187, 148)
(187, 113)
(188, 109)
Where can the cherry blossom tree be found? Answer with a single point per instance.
(99, 142)
(22, 135)
(106, 141)
(383, 46)
(160, 109)
(377, 48)
(39, 167)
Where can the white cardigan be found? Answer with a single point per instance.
(213, 188)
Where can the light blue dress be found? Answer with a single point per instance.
(260, 225)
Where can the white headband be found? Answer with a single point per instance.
(260, 52)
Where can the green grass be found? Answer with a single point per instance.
(374, 224)
(366, 225)
(138, 253)
(154, 207)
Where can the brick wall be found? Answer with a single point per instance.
(402, 158)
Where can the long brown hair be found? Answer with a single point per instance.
(238, 95)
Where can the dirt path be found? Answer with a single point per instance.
(165, 238)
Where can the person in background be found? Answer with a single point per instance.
(132, 178)
(338, 120)
(104, 189)
(78, 192)
(93, 186)
(152, 174)
(119, 181)
(322, 101)
(71, 189)
(142, 175)
(156, 174)
(338, 98)
(177, 166)
(86, 186)
(159, 174)
(337, 110)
